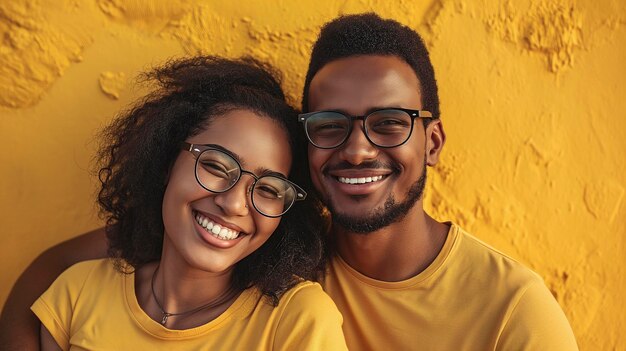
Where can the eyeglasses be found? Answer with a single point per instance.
(218, 171)
(388, 127)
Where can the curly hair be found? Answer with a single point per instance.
(140, 146)
(368, 34)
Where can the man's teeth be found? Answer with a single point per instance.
(215, 229)
(360, 180)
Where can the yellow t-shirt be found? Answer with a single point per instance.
(471, 297)
(92, 306)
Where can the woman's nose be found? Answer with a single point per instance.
(234, 202)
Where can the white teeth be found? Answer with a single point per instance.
(362, 180)
(224, 232)
(215, 229)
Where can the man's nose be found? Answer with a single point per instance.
(357, 148)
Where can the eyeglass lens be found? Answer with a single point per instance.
(218, 172)
(389, 127)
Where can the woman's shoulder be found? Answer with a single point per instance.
(309, 320)
(87, 270)
(308, 298)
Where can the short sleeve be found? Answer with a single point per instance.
(310, 321)
(537, 322)
(55, 307)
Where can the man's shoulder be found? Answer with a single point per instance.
(490, 262)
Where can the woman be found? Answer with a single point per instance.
(194, 185)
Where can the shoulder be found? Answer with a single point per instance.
(309, 320)
(57, 307)
(536, 321)
(531, 316)
(82, 277)
(491, 262)
(82, 272)
(308, 297)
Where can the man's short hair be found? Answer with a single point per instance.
(369, 34)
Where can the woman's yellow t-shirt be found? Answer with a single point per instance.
(94, 307)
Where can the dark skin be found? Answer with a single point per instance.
(19, 328)
(393, 253)
(357, 85)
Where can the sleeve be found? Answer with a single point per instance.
(310, 321)
(56, 306)
(537, 322)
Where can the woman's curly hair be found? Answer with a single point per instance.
(141, 145)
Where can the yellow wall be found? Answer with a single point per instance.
(533, 101)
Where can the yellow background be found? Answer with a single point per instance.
(533, 102)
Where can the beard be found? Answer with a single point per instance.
(383, 216)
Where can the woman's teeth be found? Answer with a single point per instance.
(360, 180)
(215, 229)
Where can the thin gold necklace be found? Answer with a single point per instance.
(222, 298)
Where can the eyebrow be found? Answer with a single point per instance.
(368, 111)
(259, 172)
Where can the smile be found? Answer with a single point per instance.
(215, 229)
(361, 180)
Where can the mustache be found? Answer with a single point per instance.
(373, 164)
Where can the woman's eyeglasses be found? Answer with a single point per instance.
(217, 171)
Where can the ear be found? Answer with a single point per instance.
(435, 139)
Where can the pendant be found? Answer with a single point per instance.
(165, 316)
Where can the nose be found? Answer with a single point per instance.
(234, 202)
(357, 148)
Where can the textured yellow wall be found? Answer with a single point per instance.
(533, 102)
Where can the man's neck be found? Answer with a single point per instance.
(396, 252)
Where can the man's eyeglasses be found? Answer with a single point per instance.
(388, 127)
(217, 171)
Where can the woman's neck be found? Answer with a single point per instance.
(187, 296)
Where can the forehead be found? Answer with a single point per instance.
(360, 83)
(260, 141)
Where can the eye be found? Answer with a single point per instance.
(391, 122)
(215, 168)
(268, 192)
(329, 126)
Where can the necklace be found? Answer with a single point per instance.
(225, 296)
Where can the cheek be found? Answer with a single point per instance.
(172, 207)
(412, 162)
(265, 227)
(181, 190)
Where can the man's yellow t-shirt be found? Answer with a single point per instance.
(92, 306)
(471, 297)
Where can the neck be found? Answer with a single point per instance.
(396, 252)
(178, 287)
(179, 290)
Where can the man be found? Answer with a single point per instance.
(401, 279)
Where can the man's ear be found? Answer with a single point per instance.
(435, 139)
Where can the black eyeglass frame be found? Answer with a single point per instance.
(302, 118)
(197, 149)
